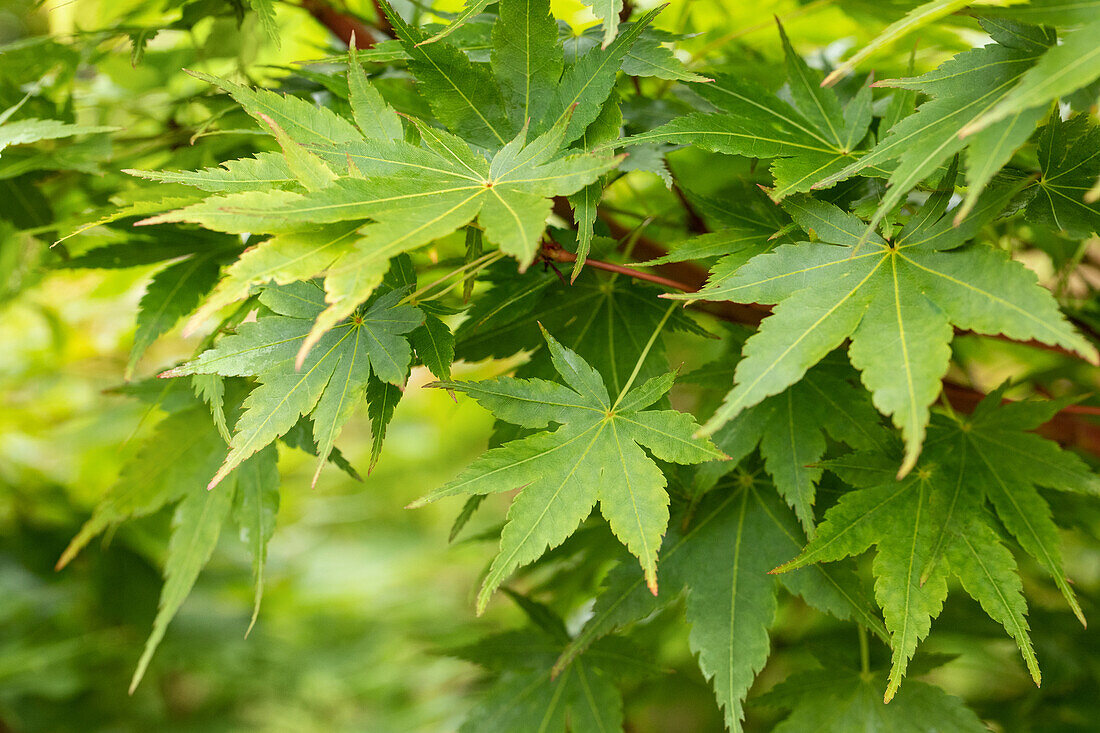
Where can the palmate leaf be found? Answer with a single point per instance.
(896, 302)
(1069, 158)
(528, 695)
(809, 143)
(173, 293)
(841, 700)
(962, 90)
(596, 455)
(329, 383)
(607, 320)
(196, 525)
(443, 188)
(918, 17)
(182, 454)
(932, 524)
(527, 58)
(462, 94)
(720, 561)
(790, 429)
(1063, 69)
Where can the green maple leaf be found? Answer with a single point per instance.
(261, 172)
(720, 561)
(790, 428)
(442, 188)
(933, 523)
(527, 58)
(31, 130)
(594, 456)
(173, 467)
(265, 11)
(753, 227)
(608, 320)
(462, 94)
(962, 91)
(1069, 157)
(608, 13)
(528, 694)
(1063, 69)
(918, 17)
(173, 293)
(472, 9)
(255, 506)
(328, 384)
(896, 301)
(182, 453)
(196, 526)
(809, 141)
(843, 700)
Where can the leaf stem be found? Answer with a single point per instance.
(644, 354)
(476, 265)
(864, 651)
(554, 253)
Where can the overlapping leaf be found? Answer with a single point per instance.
(721, 561)
(962, 91)
(791, 428)
(810, 142)
(440, 189)
(595, 456)
(1063, 69)
(608, 320)
(329, 383)
(896, 302)
(528, 695)
(841, 700)
(1069, 158)
(933, 523)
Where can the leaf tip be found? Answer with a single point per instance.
(217, 478)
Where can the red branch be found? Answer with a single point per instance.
(344, 25)
(1069, 427)
(1066, 427)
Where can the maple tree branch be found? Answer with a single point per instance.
(1069, 426)
(555, 253)
(382, 23)
(627, 11)
(1066, 427)
(344, 24)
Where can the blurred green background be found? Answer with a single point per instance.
(363, 598)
